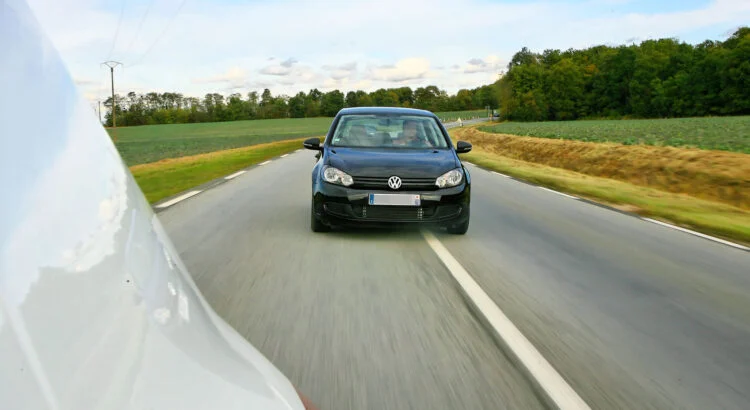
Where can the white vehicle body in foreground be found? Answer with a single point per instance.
(96, 309)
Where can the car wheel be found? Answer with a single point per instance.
(315, 224)
(459, 229)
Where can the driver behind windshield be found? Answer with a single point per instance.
(412, 136)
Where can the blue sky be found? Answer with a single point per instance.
(200, 46)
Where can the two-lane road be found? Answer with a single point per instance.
(632, 314)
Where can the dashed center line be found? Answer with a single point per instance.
(284, 156)
(178, 199)
(264, 163)
(557, 390)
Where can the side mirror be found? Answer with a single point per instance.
(462, 147)
(312, 143)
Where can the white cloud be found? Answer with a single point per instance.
(234, 75)
(349, 42)
(275, 69)
(491, 64)
(403, 70)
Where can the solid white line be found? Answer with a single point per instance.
(557, 192)
(284, 156)
(502, 175)
(556, 388)
(264, 163)
(702, 235)
(235, 175)
(468, 163)
(178, 199)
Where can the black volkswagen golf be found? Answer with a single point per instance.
(384, 166)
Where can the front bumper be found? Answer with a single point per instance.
(335, 205)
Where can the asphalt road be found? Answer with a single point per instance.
(632, 314)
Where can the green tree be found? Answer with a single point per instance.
(297, 105)
(331, 103)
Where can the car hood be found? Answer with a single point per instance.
(384, 162)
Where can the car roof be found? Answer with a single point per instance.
(386, 111)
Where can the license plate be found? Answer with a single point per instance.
(395, 199)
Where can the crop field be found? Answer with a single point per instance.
(714, 133)
(150, 143)
(448, 116)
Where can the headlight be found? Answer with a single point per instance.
(337, 176)
(450, 178)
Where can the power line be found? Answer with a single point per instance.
(140, 25)
(117, 30)
(166, 28)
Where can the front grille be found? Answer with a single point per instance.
(393, 213)
(407, 184)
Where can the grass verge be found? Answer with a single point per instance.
(694, 213)
(167, 177)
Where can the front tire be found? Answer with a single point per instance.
(459, 229)
(315, 224)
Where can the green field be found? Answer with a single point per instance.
(150, 143)
(715, 133)
(448, 116)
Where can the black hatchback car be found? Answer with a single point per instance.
(384, 166)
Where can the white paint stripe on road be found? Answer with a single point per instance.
(299, 150)
(178, 199)
(264, 163)
(557, 192)
(468, 163)
(554, 386)
(235, 175)
(702, 235)
(502, 175)
(284, 156)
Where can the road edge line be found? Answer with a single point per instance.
(551, 384)
(179, 199)
(557, 192)
(501, 174)
(702, 235)
(235, 175)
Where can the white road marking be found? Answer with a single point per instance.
(554, 386)
(468, 163)
(502, 175)
(178, 199)
(264, 163)
(557, 192)
(702, 235)
(284, 156)
(235, 175)
(299, 150)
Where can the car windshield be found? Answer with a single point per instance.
(388, 131)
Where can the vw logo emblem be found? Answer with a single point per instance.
(394, 182)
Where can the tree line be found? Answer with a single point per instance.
(174, 108)
(655, 79)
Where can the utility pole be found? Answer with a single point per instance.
(99, 111)
(112, 65)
